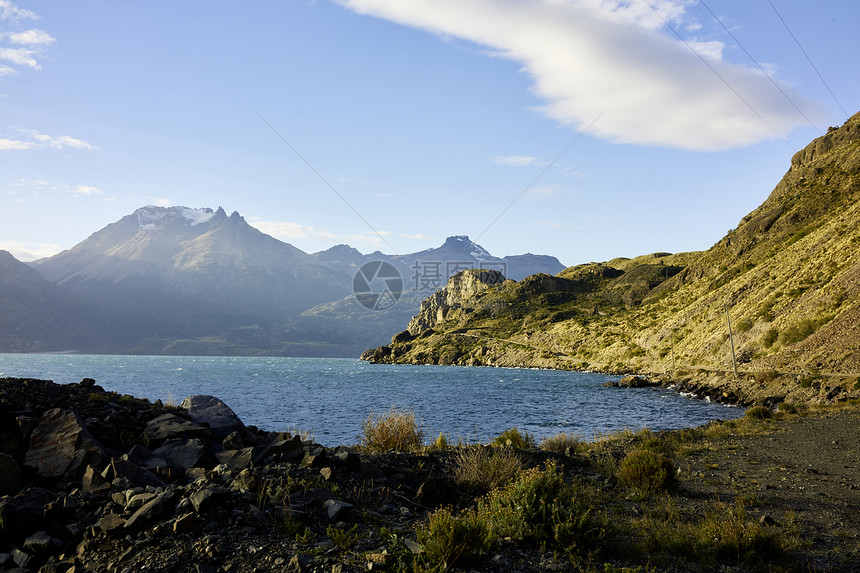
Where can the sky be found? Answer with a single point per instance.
(583, 129)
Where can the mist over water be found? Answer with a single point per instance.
(331, 397)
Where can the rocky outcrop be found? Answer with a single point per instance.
(460, 290)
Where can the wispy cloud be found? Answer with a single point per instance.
(585, 57)
(519, 160)
(30, 251)
(296, 232)
(20, 45)
(10, 12)
(86, 191)
(32, 139)
(26, 188)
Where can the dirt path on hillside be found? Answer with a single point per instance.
(806, 469)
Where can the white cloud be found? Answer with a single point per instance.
(518, 160)
(30, 251)
(32, 37)
(287, 231)
(59, 142)
(613, 57)
(296, 232)
(86, 190)
(21, 56)
(41, 141)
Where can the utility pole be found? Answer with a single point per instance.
(731, 340)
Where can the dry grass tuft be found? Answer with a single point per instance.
(562, 442)
(396, 430)
(485, 468)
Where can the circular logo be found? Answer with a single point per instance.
(377, 285)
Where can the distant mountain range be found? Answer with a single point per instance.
(175, 280)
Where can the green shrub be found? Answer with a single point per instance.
(397, 430)
(448, 539)
(485, 468)
(645, 472)
(802, 329)
(787, 407)
(342, 538)
(562, 442)
(770, 337)
(743, 325)
(759, 413)
(514, 439)
(539, 507)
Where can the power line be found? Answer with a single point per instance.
(541, 174)
(808, 59)
(323, 179)
(760, 67)
(722, 79)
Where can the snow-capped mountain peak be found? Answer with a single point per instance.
(150, 216)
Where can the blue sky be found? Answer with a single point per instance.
(585, 129)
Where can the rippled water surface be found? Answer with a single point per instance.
(330, 397)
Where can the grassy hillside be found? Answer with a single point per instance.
(788, 277)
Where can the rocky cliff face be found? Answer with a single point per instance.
(460, 290)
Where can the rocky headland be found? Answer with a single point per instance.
(771, 312)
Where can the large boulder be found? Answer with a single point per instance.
(209, 410)
(169, 426)
(61, 445)
(178, 452)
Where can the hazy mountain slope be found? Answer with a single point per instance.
(37, 316)
(788, 275)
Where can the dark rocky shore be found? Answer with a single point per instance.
(95, 481)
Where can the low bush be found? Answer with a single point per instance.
(759, 413)
(730, 537)
(396, 430)
(448, 539)
(767, 376)
(787, 408)
(485, 468)
(723, 535)
(769, 337)
(514, 439)
(562, 443)
(539, 507)
(646, 472)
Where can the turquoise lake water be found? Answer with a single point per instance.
(331, 397)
